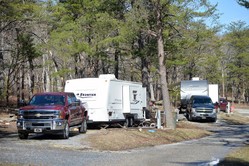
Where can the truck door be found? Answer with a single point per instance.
(73, 110)
(78, 110)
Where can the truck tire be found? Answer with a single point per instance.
(214, 120)
(83, 127)
(65, 134)
(23, 135)
(189, 117)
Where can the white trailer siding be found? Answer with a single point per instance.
(94, 92)
(214, 92)
(109, 99)
(126, 99)
(192, 87)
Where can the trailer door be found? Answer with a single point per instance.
(126, 99)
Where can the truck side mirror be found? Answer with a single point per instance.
(21, 103)
(77, 102)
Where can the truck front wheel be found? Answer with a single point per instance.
(83, 127)
(214, 120)
(189, 116)
(23, 135)
(66, 131)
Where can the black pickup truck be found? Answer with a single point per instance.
(53, 113)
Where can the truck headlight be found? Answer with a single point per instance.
(20, 114)
(59, 115)
(193, 109)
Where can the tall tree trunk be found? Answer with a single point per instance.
(45, 77)
(223, 83)
(23, 82)
(76, 70)
(1, 62)
(145, 69)
(145, 76)
(151, 89)
(79, 72)
(7, 89)
(32, 78)
(18, 89)
(162, 70)
(56, 83)
(1, 73)
(116, 57)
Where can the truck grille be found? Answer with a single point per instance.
(204, 110)
(41, 124)
(40, 114)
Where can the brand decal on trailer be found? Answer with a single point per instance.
(86, 95)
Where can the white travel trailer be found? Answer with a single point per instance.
(213, 92)
(110, 100)
(192, 87)
(197, 87)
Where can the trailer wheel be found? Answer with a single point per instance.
(131, 121)
(83, 127)
(126, 123)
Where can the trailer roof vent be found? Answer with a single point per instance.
(107, 76)
(195, 78)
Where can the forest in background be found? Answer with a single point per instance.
(46, 42)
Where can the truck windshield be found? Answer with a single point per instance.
(202, 101)
(47, 100)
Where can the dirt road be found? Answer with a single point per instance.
(44, 150)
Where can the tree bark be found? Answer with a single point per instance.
(32, 78)
(168, 120)
(23, 82)
(1, 74)
(116, 68)
(45, 76)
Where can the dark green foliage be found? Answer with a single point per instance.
(27, 48)
(238, 66)
(85, 38)
(244, 3)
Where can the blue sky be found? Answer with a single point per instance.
(231, 11)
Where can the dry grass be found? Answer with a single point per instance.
(239, 157)
(124, 139)
(235, 118)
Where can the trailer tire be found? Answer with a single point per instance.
(126, 123)
(131, 121)
(83, 127)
